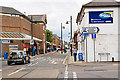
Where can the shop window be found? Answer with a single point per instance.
(11, 41)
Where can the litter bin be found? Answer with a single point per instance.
(53, 49)
(5, 55)
(80, 56)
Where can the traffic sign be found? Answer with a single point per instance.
(91, 30)
(93, 36)
(31, 42)
(85, 34)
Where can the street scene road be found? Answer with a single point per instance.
(59, 39)
(45, 66)
(59, 66)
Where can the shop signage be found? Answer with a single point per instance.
(13, 47)
(101, 16)
(5, 41)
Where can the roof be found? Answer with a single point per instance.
(95, 4)
(16, 36)
(38, 18)
(102, 4)
(12, 11)
(9, 10)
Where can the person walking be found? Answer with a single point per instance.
(75, 53)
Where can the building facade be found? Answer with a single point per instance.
(105, 16)
(16, 27)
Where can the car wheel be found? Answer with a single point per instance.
(8, 62)
(23, 62)
(29, 61)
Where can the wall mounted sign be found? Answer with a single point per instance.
(101, 16)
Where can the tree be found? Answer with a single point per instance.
(49, 36)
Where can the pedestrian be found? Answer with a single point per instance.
(34, 51)
(74, 53)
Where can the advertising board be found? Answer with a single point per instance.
(101, 16)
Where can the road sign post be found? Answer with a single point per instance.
(91, 30)
(0, 48)
(94, 38)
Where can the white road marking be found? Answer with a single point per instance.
(75, 75)
(34, 64)
(0, 70)
(66, 73)
(30, 64)
(16, 71)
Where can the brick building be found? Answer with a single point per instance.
(56, 40)
(16, 27)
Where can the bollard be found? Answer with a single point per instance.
(112, 59)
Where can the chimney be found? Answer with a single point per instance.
(103, 1)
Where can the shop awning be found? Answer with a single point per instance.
(16, 36)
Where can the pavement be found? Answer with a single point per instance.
(81, 69)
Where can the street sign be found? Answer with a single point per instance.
(91, 30)
(93, 36)
(85, 34)
(5, 41)
(31, 42)
(71, 40)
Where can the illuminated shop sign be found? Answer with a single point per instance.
(100, 16)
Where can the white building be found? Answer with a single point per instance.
(104, 15)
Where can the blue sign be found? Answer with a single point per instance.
(85, 34)
(83, 37)
(101, 16)
(93, 36)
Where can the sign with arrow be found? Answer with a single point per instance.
(91, 30)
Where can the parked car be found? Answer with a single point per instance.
(18, 57)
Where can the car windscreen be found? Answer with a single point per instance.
(20, 53)
(14, 53)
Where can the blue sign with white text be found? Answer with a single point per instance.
(85, 34)
(101, 16)
(93, 36)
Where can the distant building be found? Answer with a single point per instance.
(103, 14)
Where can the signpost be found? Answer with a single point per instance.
(91, 30)
(31, 42)
(0, 48)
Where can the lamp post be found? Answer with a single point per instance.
(0, 48)
(71, 31)
(32, 35)
(61, 37)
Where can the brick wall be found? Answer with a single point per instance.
(19, 24)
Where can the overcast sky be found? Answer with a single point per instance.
(57, 11)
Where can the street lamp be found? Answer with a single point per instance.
(62, 27)
(32, 34)
(71, 30)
